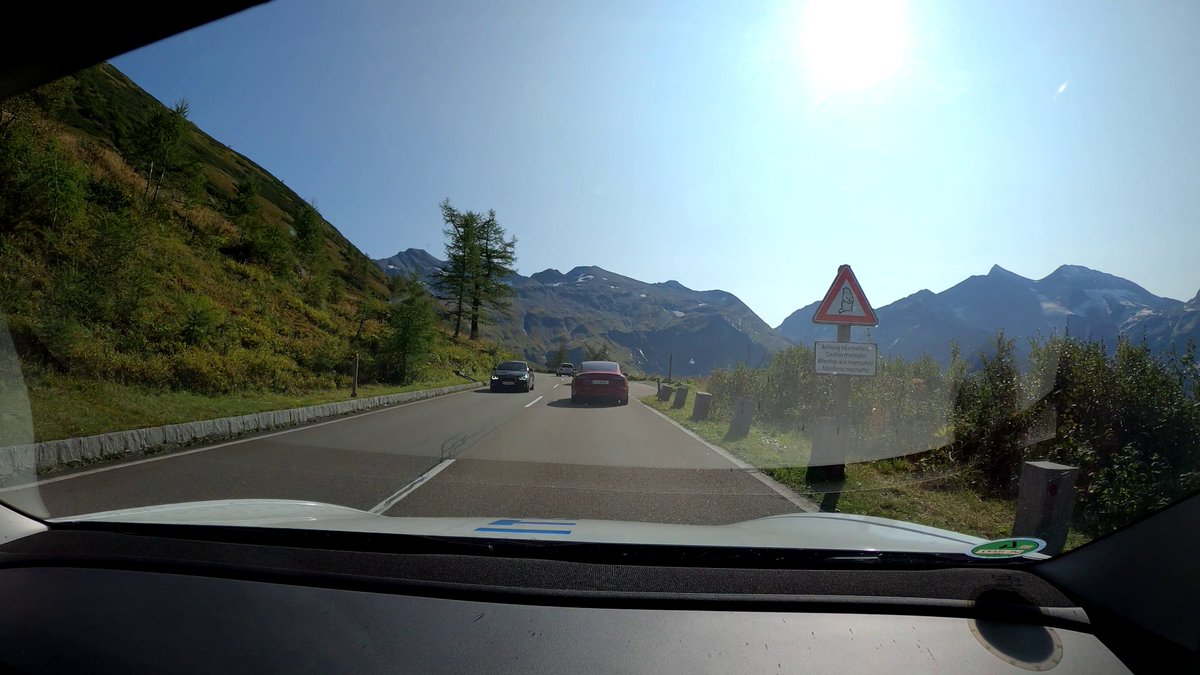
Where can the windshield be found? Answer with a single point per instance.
(930, 263)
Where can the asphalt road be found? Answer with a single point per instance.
(519, 455)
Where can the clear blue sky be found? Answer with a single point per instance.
(747, 146)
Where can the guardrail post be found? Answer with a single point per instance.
(680, 397)
(743, 414)
(700, 409)
(664, 392)
(1044, 503)
(827, 460)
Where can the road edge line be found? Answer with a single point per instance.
(805, 505)
(405, 491)
(527, 405)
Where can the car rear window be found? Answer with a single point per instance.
(600, 366)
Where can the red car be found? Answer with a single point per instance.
(599, 380)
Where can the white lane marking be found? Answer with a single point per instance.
(557, 386)
(533, 401)
(408, 489)
(193, 451)
(777, 487)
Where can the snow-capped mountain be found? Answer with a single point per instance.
(1085, 302)
(412, 260)
(647, 326)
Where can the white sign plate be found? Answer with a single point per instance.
(847, 358)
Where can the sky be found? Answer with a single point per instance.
(748, 146)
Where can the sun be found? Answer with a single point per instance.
(849, 45)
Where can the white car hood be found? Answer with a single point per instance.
(800, 530)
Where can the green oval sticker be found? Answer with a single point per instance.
(1007, 548)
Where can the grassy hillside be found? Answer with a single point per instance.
(191, 280)
(106, 106)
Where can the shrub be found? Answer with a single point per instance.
(726, 386)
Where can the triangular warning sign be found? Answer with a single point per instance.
(845, 302)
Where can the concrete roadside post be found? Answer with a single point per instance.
(664, 392)
(700, 409)
(743, 415)
(1045, 501)
(681, 393)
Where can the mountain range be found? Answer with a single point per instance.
(645, 324)
(1072, 299)
(649, 327)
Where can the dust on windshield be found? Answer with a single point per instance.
(928, 263)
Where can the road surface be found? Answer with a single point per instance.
(469, 454)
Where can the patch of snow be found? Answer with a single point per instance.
(642, 353)
(1054, 308)
(557, 283)
(584, 277)
(641, 295)
(392, 267)
(612, 286)
(678, 313)
(703, 304)
(1098, 298)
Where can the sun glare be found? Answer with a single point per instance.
(848, 45)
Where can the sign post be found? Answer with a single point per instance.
(845, 305)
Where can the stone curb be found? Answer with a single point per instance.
(49, 455)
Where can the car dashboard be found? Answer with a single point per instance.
(194, 599)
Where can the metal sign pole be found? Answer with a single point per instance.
(841, 409)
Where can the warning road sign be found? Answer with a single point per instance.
(845, 303)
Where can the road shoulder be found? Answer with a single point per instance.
(805, 505)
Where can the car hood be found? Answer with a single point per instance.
(833, 531)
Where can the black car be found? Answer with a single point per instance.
(516, 375)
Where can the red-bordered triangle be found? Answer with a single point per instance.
(845, 302)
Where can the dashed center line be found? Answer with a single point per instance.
(533, 401)
(408, 489)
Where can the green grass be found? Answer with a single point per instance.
(890, 488)
(64, 407)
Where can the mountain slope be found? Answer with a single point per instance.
(106, 106)
(106, 280)
(647, 326)
(1085, 302)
